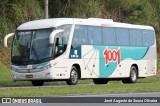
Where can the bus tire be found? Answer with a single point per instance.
(37, 82)
(100, 81)
(133, 76)
(74, 76)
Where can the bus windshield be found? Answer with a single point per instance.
(31, 46)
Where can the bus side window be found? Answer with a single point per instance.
(66, 34)
(135, 37)
(79, 36)
(94, 35)
(122, 36)
(148, 37)
(109, 36)
(59, 48)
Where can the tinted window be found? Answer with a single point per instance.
(148, 37)
(94, 35)
(109, 36)
(66, 33)
(135, 37)
(122, 36)
(79, 36)
(62, 40)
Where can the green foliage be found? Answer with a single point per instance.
(15, 12)
(75, 8)
(25, 10)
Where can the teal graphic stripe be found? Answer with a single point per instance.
(135, 53)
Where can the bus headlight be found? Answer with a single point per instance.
(12, 68)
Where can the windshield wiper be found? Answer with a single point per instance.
(23, 50)
(35, 52)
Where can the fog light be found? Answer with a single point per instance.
(47, 74)
(13, 76)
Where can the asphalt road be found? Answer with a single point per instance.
(144, 94)
(44, 86)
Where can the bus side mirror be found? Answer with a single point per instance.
(6, 38)
(53, 34)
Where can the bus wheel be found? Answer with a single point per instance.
(37, 82)
(133, 76)
(73, 76)
(100, 81)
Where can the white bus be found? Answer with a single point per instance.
(71, 49)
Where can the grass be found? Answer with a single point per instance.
(5, 77)
(91, 89)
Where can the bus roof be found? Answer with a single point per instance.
(54, 22)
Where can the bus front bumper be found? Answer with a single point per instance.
(42, 75)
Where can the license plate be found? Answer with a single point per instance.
(29, 76)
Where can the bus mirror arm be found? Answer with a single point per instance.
(6, 38)
(53, 34)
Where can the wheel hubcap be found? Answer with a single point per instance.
(133, 75)
(74, 76)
